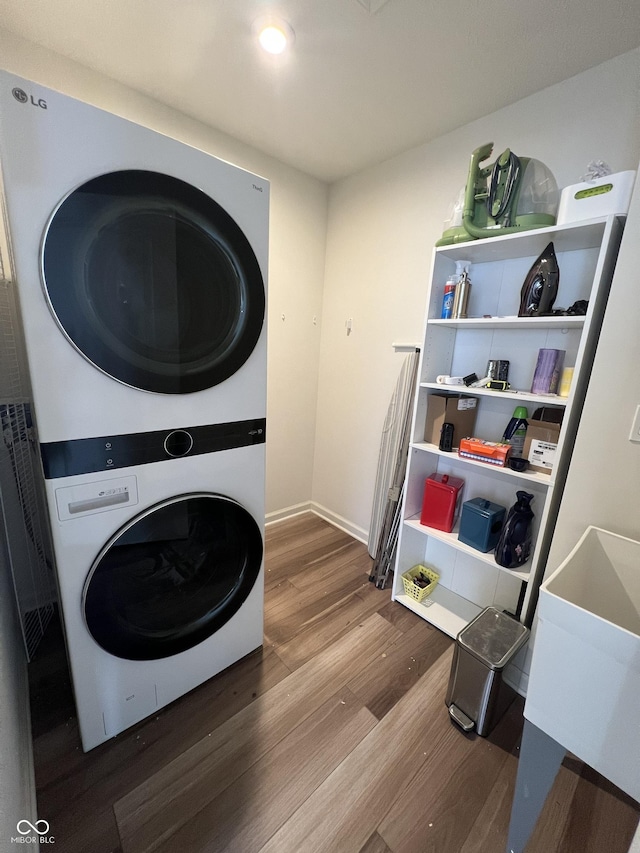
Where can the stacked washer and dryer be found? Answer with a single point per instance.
(140, 266)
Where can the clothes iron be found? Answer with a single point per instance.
(512, 194)
(540, 287)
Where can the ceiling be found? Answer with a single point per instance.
(365, 79)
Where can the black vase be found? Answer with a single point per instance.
(540, 287)
(514, 544)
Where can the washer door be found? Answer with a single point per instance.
(172, 577)
(153, 282)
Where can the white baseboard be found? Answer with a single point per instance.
(331, 517)
(288, 512)
(340, 522)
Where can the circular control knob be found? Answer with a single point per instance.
(178, 443)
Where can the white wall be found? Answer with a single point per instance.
(383, 224)
(296, 266)
(602, 483)
(602, 486)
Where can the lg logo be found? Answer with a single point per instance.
(21, 96)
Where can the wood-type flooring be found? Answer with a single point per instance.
(333, 737)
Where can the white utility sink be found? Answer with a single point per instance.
(584, 685)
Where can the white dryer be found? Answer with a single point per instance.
(141, 268)
(160, 564)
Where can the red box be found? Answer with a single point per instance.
(441, 501)
(492, 452)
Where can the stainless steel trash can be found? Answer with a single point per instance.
(477, 696)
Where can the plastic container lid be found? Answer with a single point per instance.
(493, 637)
(482, 506)
(521, 412)
(446, 482)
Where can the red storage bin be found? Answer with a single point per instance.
(441, 502)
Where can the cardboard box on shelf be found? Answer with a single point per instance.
(457, 409)
(541, 442)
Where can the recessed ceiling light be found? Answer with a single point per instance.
(275, 36)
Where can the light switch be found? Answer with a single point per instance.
(634, 435)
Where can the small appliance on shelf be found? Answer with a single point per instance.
(481, 521)
(441, 502)
(511, 195)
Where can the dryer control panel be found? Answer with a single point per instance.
(108, 453)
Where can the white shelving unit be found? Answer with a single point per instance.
(469, 579)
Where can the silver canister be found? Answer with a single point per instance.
(461, 298)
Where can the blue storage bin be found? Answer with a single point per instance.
(480, 523)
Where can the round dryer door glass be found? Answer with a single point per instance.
(172, 577)
(153, 282)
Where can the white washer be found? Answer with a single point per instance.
(141, 268)
(161, 573)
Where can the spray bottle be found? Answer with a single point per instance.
(463, 291)
(449, 291)
(516, 430)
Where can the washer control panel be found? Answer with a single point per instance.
(108, 453)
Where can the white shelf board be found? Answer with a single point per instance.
(521, 396)
(532, 476)
(444, 609)
(452, 540)
(566, 322)
(576, 236)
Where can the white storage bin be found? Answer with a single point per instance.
(604, 196)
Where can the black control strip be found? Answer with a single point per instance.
(107, 453)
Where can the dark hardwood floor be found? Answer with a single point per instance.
(333, 737)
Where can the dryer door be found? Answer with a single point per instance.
(153, 282)
(172, 577)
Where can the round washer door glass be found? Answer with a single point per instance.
(153, 282)
(172, 577)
